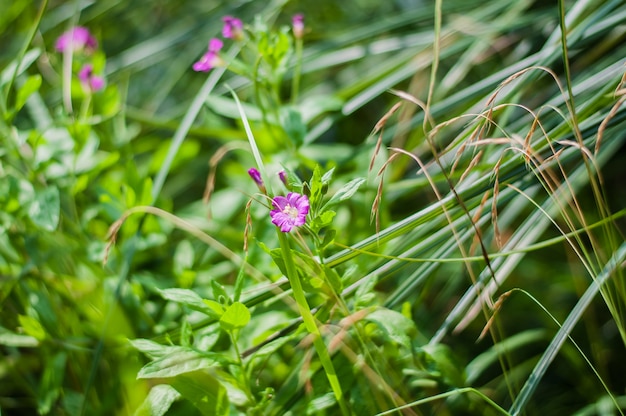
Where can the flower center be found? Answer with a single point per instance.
(292, 212)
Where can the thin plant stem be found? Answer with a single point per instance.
(295, 86)
(309, 322)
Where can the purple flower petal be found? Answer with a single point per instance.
(290, 212)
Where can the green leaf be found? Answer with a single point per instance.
(45, 209)
(328, 176)
(315, 105)
(322, 220)
(188, 298)
(293, 125)
(183, 257)
(182, 360)
(204, 391)
(159, 401)
(216, 308)
(26, 61)
(236, 316)
(272, 346)
(31, 85)
(219, 293)
(345, 192)
(11, 339)
(32, 327)
(393, 326)
(51, 384)
(153, 349)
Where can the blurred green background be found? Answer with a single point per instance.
(65, 319)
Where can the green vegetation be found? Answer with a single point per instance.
(445, 185)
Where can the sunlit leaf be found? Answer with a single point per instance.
(235, 317)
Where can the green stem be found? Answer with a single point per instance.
(295, 86)
(309, 322)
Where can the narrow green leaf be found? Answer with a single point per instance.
(183, 360)
(28, 59)
(152, 349)
(188, 298)
(346, 192)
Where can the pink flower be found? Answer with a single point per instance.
(290, 211)
(77, 38)
(297, 22)
(233, 28)
(211, 59)
(89, 80)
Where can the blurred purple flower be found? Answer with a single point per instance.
(290, 211)
(233, 28)
(256, 177)
(89, 80)
(211, 59)
(297, 22)
(282, 175)
(77, 38)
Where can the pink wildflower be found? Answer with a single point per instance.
(290, 212)
(233, 28)
(77, 38)
(211, 59)
(89, 80)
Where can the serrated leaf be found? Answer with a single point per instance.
(45, 209)
(236, 316)
(346, 192)
(183, 360)
(159, 401)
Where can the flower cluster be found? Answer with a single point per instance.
(233, 29)
(80, 41)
